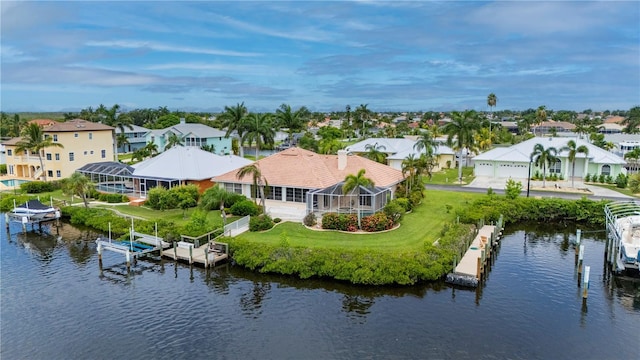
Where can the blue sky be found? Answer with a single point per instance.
(395, 56)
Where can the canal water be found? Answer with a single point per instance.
(58, 303)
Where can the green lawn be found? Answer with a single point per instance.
(449, 176)
(173, 215)
(624, 191)
(423, 224)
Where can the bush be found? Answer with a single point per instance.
(37, 187)
(244, 208)
(602, 178)
(277, 220)
(197, 224)
(621, 181)
(394, 211)
(404, 202)
(113, 198)
(587, 178)
(608, 179)
(342, 222)
(376, 222)
(260, 223)
(310, 219)
(634, 183)
(3, 169)
(513, 189)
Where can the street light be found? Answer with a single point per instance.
(529, 178)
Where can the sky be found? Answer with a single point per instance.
(392, 56)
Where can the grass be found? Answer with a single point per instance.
(450, 176)
(613, 187)
(423, 224)
(174, 215)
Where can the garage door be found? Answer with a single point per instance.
(482, 168)
(513, 170)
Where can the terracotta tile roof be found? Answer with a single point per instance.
(42, 122)
(301, 168)
(77, 125)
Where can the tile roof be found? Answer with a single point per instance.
(77, 125)
(188, 163)
(12, 141)
(301, 168)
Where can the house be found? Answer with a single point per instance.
(610, 128)
(192, 134)
(548, 127)
(179, 165)
(398, 149)
(514, 161)
(301, 181)
(83, 142)
(136, 138)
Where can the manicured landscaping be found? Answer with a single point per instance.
(450, 176)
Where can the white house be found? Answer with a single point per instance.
(514, 161)
(398, 149)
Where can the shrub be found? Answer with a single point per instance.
(490, 191)
(277, 220)
(113, 198)
(404, 202)
(37, 187)
(244, 208)
(3, 169)
(634, 183)
(376, 222)
(197, 224)
(621, 181)
(602, 178)
(310, 219)
(342, 222)
(608, 179)
(394, 211)
(260, 223)
(587, 178)
(512, 189)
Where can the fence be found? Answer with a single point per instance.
(237, 227)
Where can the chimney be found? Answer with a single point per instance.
(342, 159)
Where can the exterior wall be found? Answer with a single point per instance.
(137, 140)
(441, 162)
(201, 184)
(221, 144)
(596, 169)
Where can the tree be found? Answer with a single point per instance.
(542, 157)
(461, 128)
(362, 116)
(34, 141)
(632, 121)
(574, 150)
(233, 120)
(348, 110)
(122, 140)
(427, 142)
(409, 171)
(78, 184)
(113, 117)
(484, 138)
(634, 156)
(259, 181)
(258, 128)
(375, 153)
(174, 140)
(492, 100)
(354, 182)
(293, 121)
(541, 114)
(151, 149)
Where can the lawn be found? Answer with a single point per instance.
(423, 224)
(449, 176)
(174, 215)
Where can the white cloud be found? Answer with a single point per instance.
(135, 44)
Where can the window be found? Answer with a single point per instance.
(606, 170)
(556, 168)
(48, 156)
(46, 136)
(11, 170)
(71, 156)
(297, 195)
(55, 137)
(90, 136)
(236, 188)
(103, 153)
(58, 173)
(274, 193)
(91, 152)
(75, 135)
(9, 152)
(57, 157)
(85, 152)
(194, 141)
(50, 173)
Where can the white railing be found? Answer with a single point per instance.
(237, 227)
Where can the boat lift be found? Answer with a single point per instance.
(139, 244)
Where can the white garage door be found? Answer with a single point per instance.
(483, 168)
(512, 170)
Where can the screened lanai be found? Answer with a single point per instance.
(367, 200)
(110, 176)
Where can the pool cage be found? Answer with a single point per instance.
(367, 200)
(110, 176)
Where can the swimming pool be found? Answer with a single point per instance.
(13, 182)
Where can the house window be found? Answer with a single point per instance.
(236, 188)
(50, 173)
(606, 170)
(46, 136)
(75, 135)
(274, 193)
(48, 156)
(91, 152)
(11, 170)
(556, 168)
(297, 195)
(58, 173)
(85, 152)
(103, 153)
(71, 156)
(194, 141)
(55, 137)
(57, 157)
(90, 136)
(9, 152)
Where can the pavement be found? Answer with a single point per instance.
(564, 187)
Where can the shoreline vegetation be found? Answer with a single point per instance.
(421, 249)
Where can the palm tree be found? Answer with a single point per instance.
(409, 171)
(541, 115)
(492, 100)
(259, 181)
(260, 129)
(362, 116)
(426, 141)
(329, 146)
(574, 150)
(484, 138)
(632, 121)
(353, 182)
(174, 140)
(633, 155)
(233, 120)
(542, 157)
(78, 184)
(374, 152)
(151, 149)
(34, 141)
(348, 109)
(293, 121)
(122, 140)
(461, 128)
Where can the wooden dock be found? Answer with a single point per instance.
(473, 264)
(208, 254)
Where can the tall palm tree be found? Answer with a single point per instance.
(258, 128)
(574, 150)
(78, 184)
(362, 116)
(34, 141)
(632, 121)
(461, 128)
(353, 183)
(293, 121)
(122, 140)
(492, 100)
(427, 142)
(151, 149)
(409, 171)
(375, 153)
(541, 115)
(259, 181)
(484, 138)
(348, 110)
(233, 120)
(174, 140)
(542, 157)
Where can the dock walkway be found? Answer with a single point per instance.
(208, 254)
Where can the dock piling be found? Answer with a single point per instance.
(585, 282)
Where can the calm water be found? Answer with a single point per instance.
(58, 304)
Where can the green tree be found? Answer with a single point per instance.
(461, 128)
(632, 157)
(174, 140)
(574, 150)
(79, 185)
(232, 119)
(542, 157)
(353, 183)
(151, 149)
(259, 181)
(122, 140)
(632, 121)
(258, 128)
(541, 114)
(34, 141)
(375, 153)
(293, 121)
(512, 189)
(410, 171)
(362, 115)
(427, 142)
(492, 100)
